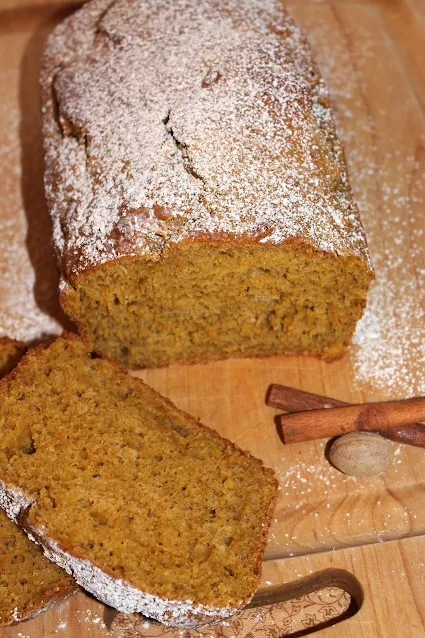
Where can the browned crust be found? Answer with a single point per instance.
(25, 516)
(68, 264)
(8, 341)
(47, 601)
(29, 353)
(14, 350)
(225, 240)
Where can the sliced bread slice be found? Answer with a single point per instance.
(148, 509)
(29, 583)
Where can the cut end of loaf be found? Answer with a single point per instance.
(217, 300)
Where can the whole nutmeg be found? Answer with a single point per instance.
(361, 453)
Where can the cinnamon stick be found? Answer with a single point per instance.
(411, 434)
(319, 424)
(294, 400)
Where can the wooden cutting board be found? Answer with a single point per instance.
(371, 54)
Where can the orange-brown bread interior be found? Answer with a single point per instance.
(205, 302)
(28, 581)
(122, 478)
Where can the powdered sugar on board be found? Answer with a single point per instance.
(226, 131)
(87, 619)
(28, 301)
(311, 516)
(387, 173)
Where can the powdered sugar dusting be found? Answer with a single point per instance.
(12, 501)
(124, 597)
(390, 354)
(388, 179)
(113, 591)
(224, 131)
(21, 316)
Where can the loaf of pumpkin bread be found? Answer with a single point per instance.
(197, 186)
(29, 583)
(148, 509)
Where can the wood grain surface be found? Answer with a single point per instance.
(392, 576)
(371, 53)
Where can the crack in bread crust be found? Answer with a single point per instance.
(251, 114)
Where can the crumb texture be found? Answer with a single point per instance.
(29, 583)
(144, 505)
(225, 302)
